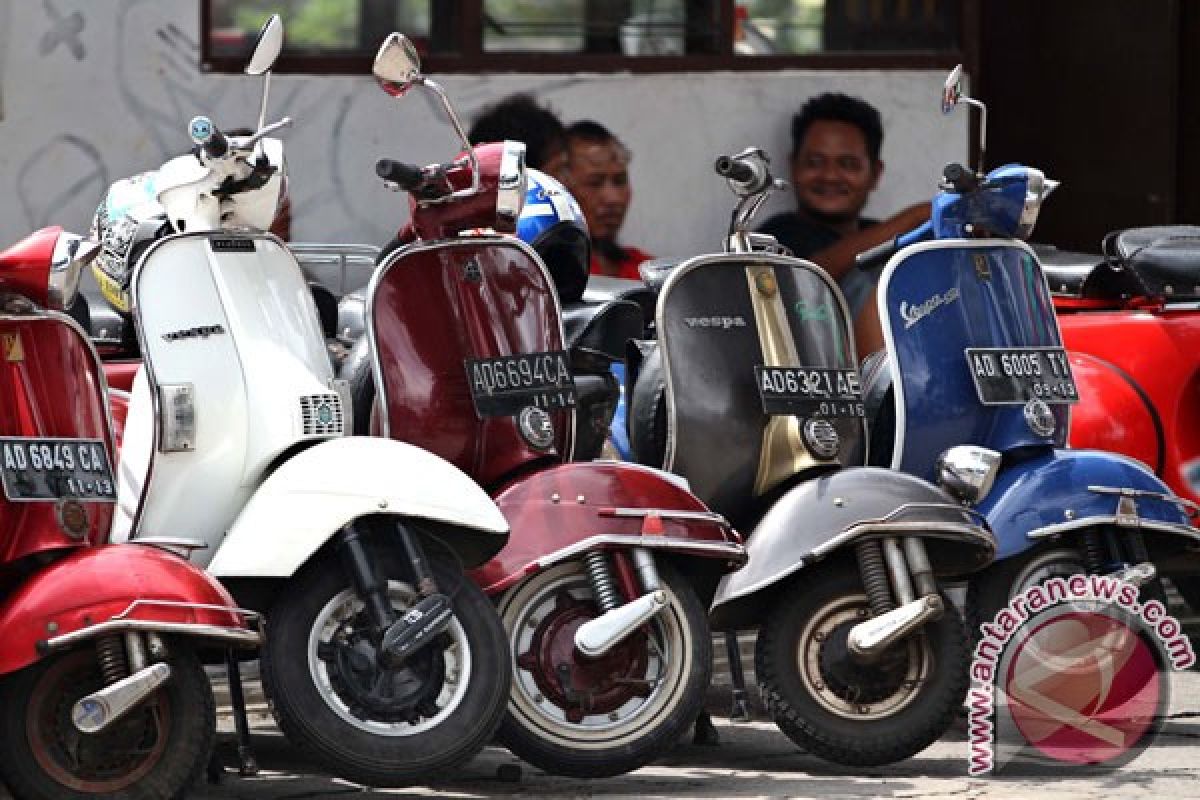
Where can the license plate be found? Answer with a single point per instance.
(1016, 375)
(810, 391)
(56, 469)
(501, 387)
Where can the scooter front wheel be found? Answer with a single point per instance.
(372, 724)
(840, 709)
(597, 717)
(158, 750)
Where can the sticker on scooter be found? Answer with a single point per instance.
(810, 391)
(34, 469)
(14, 351)
(503, 386)
(232, 245)
(1016, 375)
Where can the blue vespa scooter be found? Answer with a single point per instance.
(974, 356)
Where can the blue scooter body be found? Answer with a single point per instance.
(939, 297)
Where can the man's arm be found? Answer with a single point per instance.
(838, 258)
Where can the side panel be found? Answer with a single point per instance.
(50, 386)
(561, 506)
(433, 305)
(718, 318)
(1115, 414)
(1051, 494)
(1160, 352)
(318, 491)
(93, 585)
(234, 321)
(937, 299)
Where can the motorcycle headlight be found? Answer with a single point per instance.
(71, 253)
(968, 472)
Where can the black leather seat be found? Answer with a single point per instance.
(1066, 271)
(1165, 259)
(602, 327)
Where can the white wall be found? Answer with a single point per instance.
(95, 90)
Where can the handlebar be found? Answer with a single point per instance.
(747, 170)
(405, 176)
(959, 178)
(880, 253)
(211, 141)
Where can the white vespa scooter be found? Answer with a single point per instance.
(382, 660)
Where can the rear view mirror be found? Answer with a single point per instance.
(397, 64)
(952, 90)
(268, 47)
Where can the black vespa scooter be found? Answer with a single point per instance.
(860, 657)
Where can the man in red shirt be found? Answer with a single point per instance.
(598, 176)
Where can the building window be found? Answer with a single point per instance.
(602, 35)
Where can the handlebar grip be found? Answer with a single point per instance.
(961, 178)
(734, 169)
(877, 254)
(208, 137)
(406, 176)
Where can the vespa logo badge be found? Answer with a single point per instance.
(199, 332)
(721, 323)
(913, 314)
(472, 272)
(807, 312)
(13, 349)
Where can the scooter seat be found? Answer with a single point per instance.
(1066, 271)
(603, 288)
(1165, 258)
(602, 327)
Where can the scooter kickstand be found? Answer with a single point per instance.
(741, 709)
(247, 765)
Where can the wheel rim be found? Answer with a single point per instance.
(1044, 566)
(100, 763)
(852, 691)
(617, 694)
(401, 702)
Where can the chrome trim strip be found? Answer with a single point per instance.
(728, 550)
(1154, 526)
(238, 637)
(253, 616)
(1190, 507)
(436, 244)
(702, 516)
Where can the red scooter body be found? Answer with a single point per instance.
(1138, 370)
(470, 363)
(77, 615)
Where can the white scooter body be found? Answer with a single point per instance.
(234, 351)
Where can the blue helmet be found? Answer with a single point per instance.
(552, 224)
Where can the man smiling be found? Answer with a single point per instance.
(835, 165)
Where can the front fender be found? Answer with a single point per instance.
(96, 589)
(823, 515)
(318, 491)
(564, 511)
(1061, 491)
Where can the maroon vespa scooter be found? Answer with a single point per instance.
(601, 582)
(101, 682)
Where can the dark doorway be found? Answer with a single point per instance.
(1090, 94)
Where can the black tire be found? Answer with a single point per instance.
(317, 718)
(357, 370)
(171, 733)
(533, 731)
(647, 415)
(991, 589)
(912, 716)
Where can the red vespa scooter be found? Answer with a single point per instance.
(1131, 321)
(101, 681)
(600, 583)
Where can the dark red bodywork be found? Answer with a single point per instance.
(1138, 370)
(452, 293)
(50, 385)
(93, 585)
(25, 267)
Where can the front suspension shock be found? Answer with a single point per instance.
(874, 576)
(600, 579)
